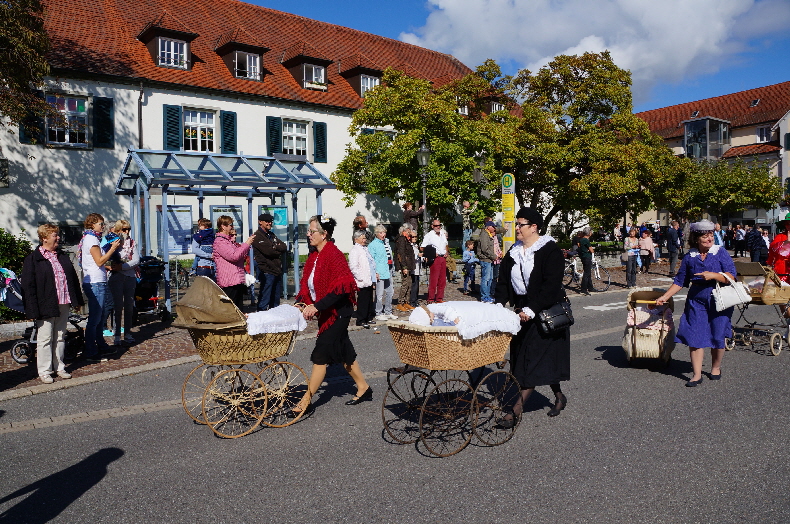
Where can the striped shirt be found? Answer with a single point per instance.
(61, 284)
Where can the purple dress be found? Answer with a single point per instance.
(701, 326)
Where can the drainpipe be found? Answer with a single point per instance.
(140, 118)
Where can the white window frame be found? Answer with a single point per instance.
(313, 80)
(199, 130)
(252, 62)
(462, 109)
(296, 136)
(367, 82)
(76, 133)
(764, 134)
(172, 53)
(497, 106)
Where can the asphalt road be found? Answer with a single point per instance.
(633, 445)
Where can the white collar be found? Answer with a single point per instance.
(518, 247)
(694, 252)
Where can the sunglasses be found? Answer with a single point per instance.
(126, 229)
(436, 225)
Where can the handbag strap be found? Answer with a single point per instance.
(743, 294)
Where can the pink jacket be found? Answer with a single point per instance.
(229, 258)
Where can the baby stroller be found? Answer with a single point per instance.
(23, 350)
(650, 329)
(146, 293)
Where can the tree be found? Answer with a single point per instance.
(23, 45)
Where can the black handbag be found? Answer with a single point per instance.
(556, 318)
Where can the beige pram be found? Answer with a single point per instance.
(650, 329)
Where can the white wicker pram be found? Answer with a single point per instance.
(653, 338)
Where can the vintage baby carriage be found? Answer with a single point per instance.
(650, 329)
(241, 382)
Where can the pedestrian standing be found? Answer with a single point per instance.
(418, 269)
(673, 245)
(382, 255)
(203, 249)
(631, 251)
(646, 250)
(405, 265)
(438, 269)
(268, 252)
(469, 260)
(486, 254)
(466, 219)
(585, 256)
(740, 241)
(410, 215)
(363, 267)
(229, 257)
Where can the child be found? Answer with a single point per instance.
(203, 248)
(469, 261)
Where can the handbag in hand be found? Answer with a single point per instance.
(556, 318)
(733, 295)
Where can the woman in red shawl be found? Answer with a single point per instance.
(329, 290)
(779, 252)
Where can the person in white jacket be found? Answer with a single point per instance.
(364, 270)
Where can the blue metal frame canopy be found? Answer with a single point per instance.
(207, 174)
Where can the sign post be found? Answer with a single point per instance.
(508, 210)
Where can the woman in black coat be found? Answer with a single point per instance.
(531, 281)
(50, 287)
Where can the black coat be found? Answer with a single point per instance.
(268, 251)
(537, 359)
(39, 294)
(672, 239)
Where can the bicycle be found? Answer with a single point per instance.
(179, 275)
(601, 280)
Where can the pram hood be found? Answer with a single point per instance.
(205, 306)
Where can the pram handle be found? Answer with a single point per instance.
(645, 301)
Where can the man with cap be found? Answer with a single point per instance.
(438, 277)
(268, 251)
(486, 252)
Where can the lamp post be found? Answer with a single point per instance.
(423, 157)
(479, 178)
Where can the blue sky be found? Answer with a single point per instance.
(678, 51)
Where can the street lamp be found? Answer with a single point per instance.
(423, 157)
(479, 178)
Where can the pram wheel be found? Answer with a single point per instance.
(776, 343)
(445, 419)
(21, 352)
(234, 403)
(495, 396)
(729, 343)
(194, 387)
(286, 385)
(402, 403)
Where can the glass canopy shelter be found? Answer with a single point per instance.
(146, 172)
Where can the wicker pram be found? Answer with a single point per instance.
(772, 292)
(639, 342)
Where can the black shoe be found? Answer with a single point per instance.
(107, 352)
(92, 358)
(365, 397)
(694, 383)
(507, 423)
(296, 414)
(559, 405)
(371, 322)
(715, 377)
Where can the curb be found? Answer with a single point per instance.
(14, 328)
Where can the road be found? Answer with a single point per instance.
(633, 445)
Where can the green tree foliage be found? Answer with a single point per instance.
(23, 44)
(13, 250)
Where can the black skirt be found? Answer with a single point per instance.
(333, 346)
(540, 360)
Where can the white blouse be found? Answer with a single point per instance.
(524, 258)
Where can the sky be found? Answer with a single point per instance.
(677, 50)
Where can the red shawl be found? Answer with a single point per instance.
(332, 275)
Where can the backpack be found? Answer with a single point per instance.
(429, 252)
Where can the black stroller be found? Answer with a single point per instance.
(24, 350)
(146, 293)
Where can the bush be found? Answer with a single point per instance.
(13, 250)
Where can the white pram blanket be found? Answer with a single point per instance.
(278, 320)
(472, 318)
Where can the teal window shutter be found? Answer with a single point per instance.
(103, 123)
(319, 139)
(173, 128)
(274, 135)
(787, 141)
(33, 127)
(227, 121)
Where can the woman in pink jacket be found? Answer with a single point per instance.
(229, 257)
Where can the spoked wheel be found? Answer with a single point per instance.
(729, 343)
(194, 387)
(445, 419)
(286, 385)
(567, 276)
(234, 403)
(495, 397)
(601, 279)
(22, 352)
(776, 343)
(402, 403)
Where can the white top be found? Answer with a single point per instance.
(524, 263)
(438, 241)
(310, 285)
(92, 273)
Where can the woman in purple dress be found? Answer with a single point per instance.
(701, 326)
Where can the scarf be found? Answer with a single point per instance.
(127, 250)
(332, 275)
(79, 247)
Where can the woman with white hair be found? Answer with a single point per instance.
(382, 255)
(363, 268)
(701, 326)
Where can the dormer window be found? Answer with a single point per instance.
(248, 65)
(307, 65)
(754, 102)
(694, 114)
(368, 82)
(314, 76)
(172, 53)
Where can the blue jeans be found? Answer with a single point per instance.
(94, 338)
(270, 290)
(486, 276)
(469, 276)
(467, 236)
(205, 272)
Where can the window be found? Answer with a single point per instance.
(248, 65)
(198, 130)
(367, 83)
(314, 74)
(172, 53)
(294, 138)
(754, 102)
(694, 114)
(463, 109)
(75, 115)
(706, 138)
(496, 106)
(763, 134)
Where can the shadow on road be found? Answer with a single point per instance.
(53, 494)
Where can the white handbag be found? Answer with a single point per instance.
(733, 295)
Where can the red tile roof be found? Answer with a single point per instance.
(753, 149)
(100, 37)
(358, 60)
(735, 108)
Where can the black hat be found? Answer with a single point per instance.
(266, 217)
(529, 213)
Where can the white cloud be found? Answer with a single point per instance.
(659, 41)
